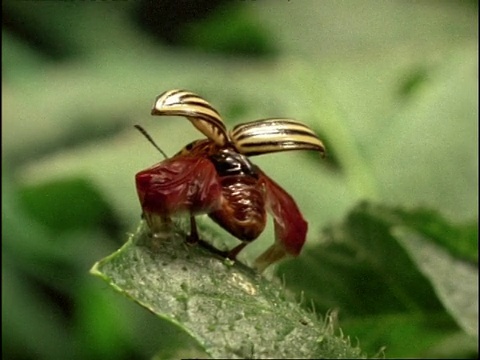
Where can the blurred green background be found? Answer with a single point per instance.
(390, 86)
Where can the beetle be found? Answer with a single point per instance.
(214, 176)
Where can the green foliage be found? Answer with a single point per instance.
(392, 89)
(377, 264)
(242, 36)
(460, 240)
(228, 308)
(67, 204)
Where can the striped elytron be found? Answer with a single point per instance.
(214, 176)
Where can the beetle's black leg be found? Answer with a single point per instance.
(232, 254)
(193, 238)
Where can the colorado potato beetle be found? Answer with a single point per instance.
(214, 176)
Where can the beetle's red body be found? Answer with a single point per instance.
(213, 177)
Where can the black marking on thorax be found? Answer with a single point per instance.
(229, 162)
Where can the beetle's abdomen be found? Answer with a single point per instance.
(242, 210)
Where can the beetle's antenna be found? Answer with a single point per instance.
(149, 138)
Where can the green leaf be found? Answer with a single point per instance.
(374, 274)
(67, 204)
(455, 281)
(461, 240)
(242, 36)
(230, 310)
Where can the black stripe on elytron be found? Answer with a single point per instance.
(195, 115)
(278, 132)
(200, 104)
(169, 92)
(289, 145)
(216, 123)
(189, 112)
(267, 122)
(188, 95)
(174, 92)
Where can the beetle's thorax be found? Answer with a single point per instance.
(200, 148)
(226, 159)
